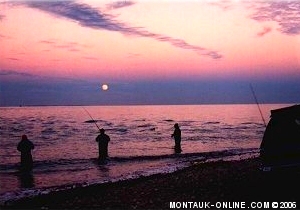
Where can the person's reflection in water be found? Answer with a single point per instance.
(103, 169)
(26, 180)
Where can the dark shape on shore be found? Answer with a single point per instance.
(103, 140)
(280, 145)
(177, 137)
(25, 146)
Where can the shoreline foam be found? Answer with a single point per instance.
(238, 180)
(187, 160)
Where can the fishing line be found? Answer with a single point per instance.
(94, 121)
(256, 101)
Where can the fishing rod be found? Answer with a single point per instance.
(256, 101)
(94, 121)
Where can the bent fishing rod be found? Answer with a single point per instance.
(256, 101)
(94, 121)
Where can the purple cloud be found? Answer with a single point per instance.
(90, 58)
(23, 76)
(119, 4)
(70, 46)
(13, 59)
(88, 16)
(14, 73)
(285, 13)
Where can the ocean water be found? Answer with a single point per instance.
(65, 154)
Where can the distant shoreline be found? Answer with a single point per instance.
(118, 105)
(228, 181)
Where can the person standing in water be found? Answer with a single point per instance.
(177, 137)
(103, 140)
(25, 146)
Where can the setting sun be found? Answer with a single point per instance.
(104, 87)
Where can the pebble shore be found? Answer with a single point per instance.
(229, 182)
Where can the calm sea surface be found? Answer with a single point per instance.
(65, 148)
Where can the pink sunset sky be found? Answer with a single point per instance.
(120, 42)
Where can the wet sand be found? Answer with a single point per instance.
(222, 181)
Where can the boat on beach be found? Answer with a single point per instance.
(280, 146)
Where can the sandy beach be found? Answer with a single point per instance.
(221, 181)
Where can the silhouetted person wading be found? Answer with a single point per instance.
(103, 140)
(25, 146)
(177, 137)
